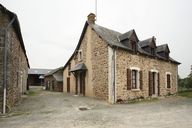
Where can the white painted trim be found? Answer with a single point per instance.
(154, 70)
(110, 76)
(135, 68)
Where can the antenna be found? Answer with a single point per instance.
(96, 9)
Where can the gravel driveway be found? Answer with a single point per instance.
(57, 110)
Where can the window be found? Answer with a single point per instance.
(168, 81)
(133, 46)
(69, 68)
(80, 55)
(167, 55)
(134, 79)
(152, 51)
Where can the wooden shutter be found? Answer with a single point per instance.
(128, 79)
(141, 80)
(158, 82)
(150, 83)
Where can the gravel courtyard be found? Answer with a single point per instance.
(57, 110)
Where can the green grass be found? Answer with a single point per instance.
(31, 93)
(187, 93)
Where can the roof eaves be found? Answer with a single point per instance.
(79, 43)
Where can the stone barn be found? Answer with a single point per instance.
(13, 60)
(54, 80)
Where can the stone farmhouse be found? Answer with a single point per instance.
(13, 60)
(118, 67)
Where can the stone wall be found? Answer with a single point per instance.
(94, 56)
(100, 66)
(17, 66)
(126, 60)
(53, 85)
(1, 66)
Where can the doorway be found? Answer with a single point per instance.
(154, 84)
(81, 83)
(68, 84)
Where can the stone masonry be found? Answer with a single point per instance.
(17, 62)
(105, 56)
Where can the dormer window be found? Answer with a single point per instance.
(152, 51)
(133, 46)
(167, 55)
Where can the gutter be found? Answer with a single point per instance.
(5, 64)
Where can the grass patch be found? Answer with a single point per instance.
(17, 113)
(187, 93)
(31, 93)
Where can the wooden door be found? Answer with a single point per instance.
(68, 84)
(153, 83)
(82, 83)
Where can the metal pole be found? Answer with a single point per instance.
(96, 9)
(5, 66)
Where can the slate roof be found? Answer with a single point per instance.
(146, 42)
(36, 71)
(58, 77)
(53, 71)
(112, 38)
(126, 35)
(79, 67)
(161, 48)
(55, 74)
(16, 26)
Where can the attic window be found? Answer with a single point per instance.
(133, 46)
(152, 51)
(167, 55)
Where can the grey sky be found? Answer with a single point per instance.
(51, 28)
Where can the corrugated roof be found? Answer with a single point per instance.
(38, 71)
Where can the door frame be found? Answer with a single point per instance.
(68, 84)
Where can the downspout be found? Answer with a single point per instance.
(114, 67)
(5, 64)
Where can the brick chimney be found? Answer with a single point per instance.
(91, 18)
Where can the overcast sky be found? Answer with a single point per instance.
(51, 28)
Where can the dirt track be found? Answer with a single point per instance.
(58, 110)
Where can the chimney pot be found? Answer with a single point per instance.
(91, 18)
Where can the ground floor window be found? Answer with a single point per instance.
(134, 79)
(168, 80)
(134, 83)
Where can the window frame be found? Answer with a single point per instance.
(137, 78)
(80, 55)
(166, 80)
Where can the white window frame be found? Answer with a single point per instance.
(138, 76)
(80, 55)
(168, 73)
